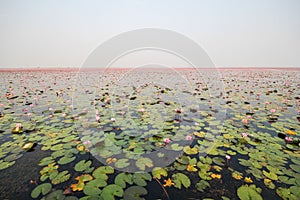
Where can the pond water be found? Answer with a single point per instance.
(150, 134)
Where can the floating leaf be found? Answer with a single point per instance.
(190, 151)
(41, 189)
(246, 192)
(219, 161)
(4, 165)
(181, 179)
(201, 185)
(90, 189)
(141, 178)
(102, 171)
(123, 178)
(110, 191)
(157, 172)
(122, 163)
(82, 165)
(65, 160)
(60, 177)
(270, 175)
(135, 193)
(142, 163)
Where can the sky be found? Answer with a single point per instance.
(234, 33)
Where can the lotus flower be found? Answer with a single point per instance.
(244, 135)
(167, 140)
(178, 110)
(245, 121)
(272, 110)
(288, 139)
(227, 157)
(97, 118)
(188, 137)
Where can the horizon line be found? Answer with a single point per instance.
(7, 69)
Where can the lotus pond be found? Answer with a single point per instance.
(150, 134)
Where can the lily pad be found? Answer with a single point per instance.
(246, 192)
(181, 179)
(65, 160)
(123, 178)
(41, 189)
(135, 193)
(110, 191)
(102, 171)
(158, 172)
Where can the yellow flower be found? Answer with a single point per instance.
(168, 183)
(266, 180)
(111, 160)
(290, 132)
(218, 176)
(237, 176)
(191, 168)
(80, 147)
(248, 180)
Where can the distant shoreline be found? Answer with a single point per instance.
(112, 69)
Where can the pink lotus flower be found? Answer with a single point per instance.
(178, 110)
(188, 137)
(97, 118)
(245, 121)
(227, 157)
(141, 110)
(272, 110)
(244, 135)
(18, 125)
(88, 142)
(288, 139)
(64, 115)
(167, 140)
(113, 119)
(50, 109)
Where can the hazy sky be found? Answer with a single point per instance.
(256, 33)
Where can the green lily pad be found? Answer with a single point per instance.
(122, 163)
(246, 192)
(123, 178)
(101, 172)
(181, 179)
(41, 189)
(157, 172)
(135, 193)
(91, 189)
(201, 185)
(142, 163)
(82, 165)
(60, 177)
(110, 191)
(4, 165)
(176, 147)
(65, 160)
(58, 194)
(219, 161)
(270, 175)
(190, 151)
(141, 178)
